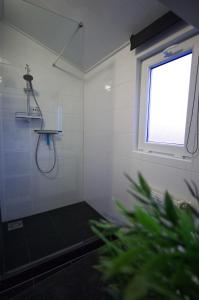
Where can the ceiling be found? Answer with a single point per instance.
(107, 24)
(187, 10)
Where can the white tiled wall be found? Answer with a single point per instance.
(110, 137)
(98, 137)
(23, 190)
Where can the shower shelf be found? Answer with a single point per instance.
(46, 131)
(25, 116)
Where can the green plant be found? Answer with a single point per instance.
(155, 255)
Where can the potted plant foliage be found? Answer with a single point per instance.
(155, 255)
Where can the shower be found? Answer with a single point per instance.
(29, 90)
(45, 220)
(37, 112)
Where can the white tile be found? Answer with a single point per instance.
(16, 134)
(99, 100)
(194, 178)
(13, 102)
(120, 183)
(12, 77)
(102, 204)
(97, 175)
(97, 80)
(18, 209)
(71, 104)
(101, 121)
(195, 164)
(164, 178)
(123, 122)
(17, 163)
(98, 142)
(124, 69)
(164, 160)
(64, 181)
(122, 54)
(123, 96)
(70, 141)
(48, 101)
(50, 120)
(1, 137)
(121, 165)
(72, 122)
(17, 188)
(123, 144)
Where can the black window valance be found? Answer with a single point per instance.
(159, 26)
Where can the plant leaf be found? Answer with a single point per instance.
(170, 208)
(148, 221)
(145, 187)
(137, 289)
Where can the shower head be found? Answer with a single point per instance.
(27, 76)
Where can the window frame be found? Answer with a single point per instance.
(182, 48)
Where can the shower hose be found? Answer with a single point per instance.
(39, 139)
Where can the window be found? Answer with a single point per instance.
(168, 100)
(167, 95)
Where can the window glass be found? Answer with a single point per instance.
(168, 101)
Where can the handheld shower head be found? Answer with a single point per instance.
(27, 76)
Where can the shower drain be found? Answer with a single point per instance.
(15, 225)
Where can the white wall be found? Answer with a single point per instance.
(24, 191)
(111, 126)
(98, 136)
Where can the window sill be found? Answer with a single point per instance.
(164, 159)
